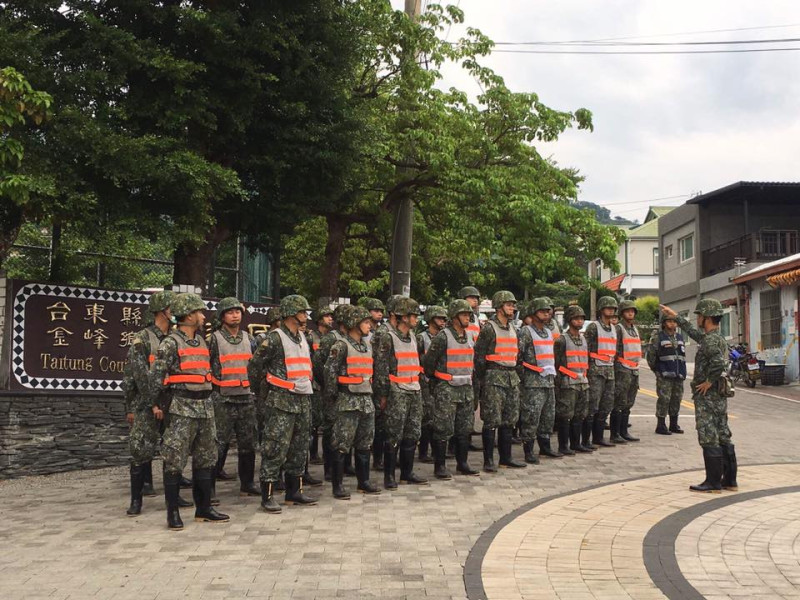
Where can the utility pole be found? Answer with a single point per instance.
(593, 290)
(402, 235)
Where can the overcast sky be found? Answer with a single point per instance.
(665, 125)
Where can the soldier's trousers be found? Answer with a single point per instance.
(536, 412)
(260, 402)
(238, 418)
(144, 437)
(189, 436)
(402, 419)
(626, 384)
(353, 429)
(711, 420)
(573, 402)
(284, 442)
(317, 410)
(427, 402)
(453, 412)
(601, 391)
(670, 394)
(499, 406)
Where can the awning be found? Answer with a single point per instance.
(782, 279)
(614, 284)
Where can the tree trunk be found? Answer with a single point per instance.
(334, 248)
(12, 221)
(193, 262)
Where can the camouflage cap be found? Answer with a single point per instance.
(160, 301)
(468, 291)
(391, 303)
(707, 307)
(293, 304)
(355, 315)
(371, 304)
(573, 311)
(406, 306)
(627, 304)
(458, 306)
(273, 315)
(606, 302)
(227, 304)
(187, 303)
(322, 311)
(664, 317)
(434, 311)
(542, 303)
(339, 313)
(501, 298)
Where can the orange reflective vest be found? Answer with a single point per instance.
(544, 351)
(358, 368)
(505, 346)
(606, 346)
(406, 376)
(297, 361)
(459, 363)
(631, 348)
(233, 360)
(194, 370)
(574, 373)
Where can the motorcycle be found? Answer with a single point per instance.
(744, 365)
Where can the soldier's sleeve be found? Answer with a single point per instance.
(560, 350)
(716, 355)
(431, 358)
(620, 344)
(166, 362)
(652, 352)
(213, 350)
(383, 355)
(256, 368)
(591, 337)
(690, 330)
(482, 344)
(525, 354)
(139, 364)
(332, 367)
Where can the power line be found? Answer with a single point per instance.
(641, 52)
(631, 44)
(648, 200)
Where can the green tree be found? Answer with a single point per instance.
(584, 300)
(647, 312)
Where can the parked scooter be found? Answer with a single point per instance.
(744, 365)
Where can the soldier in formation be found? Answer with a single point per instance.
(376, 310)
(348, 373)
(472, 296)
(626, 373)
(666, 357)
(710, 392)
(182, 370)
(572, 363)
(601, 339)
(379, 442)
(537, 362)
(496, 352)
(436, 318)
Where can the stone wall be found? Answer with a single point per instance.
(41, 433)
(3, 291)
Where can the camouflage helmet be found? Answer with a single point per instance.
(542, 303)
(160, 301)
(273, 315)
(549, 300)
(339, 313)
(573, 311)
(293, 304)
(468, 291)
(322, 311)
(227, 304)
(391, 303)
(185, 304)
(458, 306)
(606, 302)
(664, 317)
(355, 315)
(406, 306)
(501, 298)
(707, 307)
(372, 304)
(434, 311)
(627, 304)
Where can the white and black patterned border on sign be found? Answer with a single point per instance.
(64, 291)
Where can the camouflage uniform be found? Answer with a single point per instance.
(626, 380)
(500, 400)
(572, 406)
(573, 401)
(317, 406)
(537, 405)
(601, 377)
(145, 432)
(233, 413)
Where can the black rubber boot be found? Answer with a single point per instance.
(214, 501)
(408, 450)
(450, 448)
(424, 444)
(268, 503)
(389, 465)
(337, 477)
(545, 449)
(327, 456)
(562, 426)
(575, 430)
(222, 456)
(661, 427)
(623, 427)
(365, 486)
(713, 482)
(247, 471)
(309, 479)
(586, 433)
(313, 449)
(487, 435)
(181, 502)
(203, 511)
(729, 468)
(137, 483)
(440, 471)
(504, 444)
(294, 492)
(598, 431)
(673, 424)
(147, 489)
(614, 434)
(462, 456)
(279, 485)
(348, 464)
(171, 487)
(378, 450)
(186, 484)
(530, 455)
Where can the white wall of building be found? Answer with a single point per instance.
(787, 352)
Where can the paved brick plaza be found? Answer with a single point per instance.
(67, 536)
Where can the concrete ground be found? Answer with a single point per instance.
(536, 532)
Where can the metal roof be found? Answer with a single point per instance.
(740, 186)
(770, 268)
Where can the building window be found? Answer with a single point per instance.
(778, 243)
(668, 251)
(725, 325)
(686, 246)
(655, 261)
(771, 319)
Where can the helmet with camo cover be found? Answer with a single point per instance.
(542, 303)
(273, 315)
(573, 311)
(627, 304)
(293, 304)
(707, 307)
(372, 304)
(354, 317)
(185, 304)
(501, 298)
(160, 301)
(391, 303)
(227, 304)
(664, 317)
(550, 303)
(406, 306)
(322, 311)
(434, 311)
(606, 302)
(456, 307)
(468, 291)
